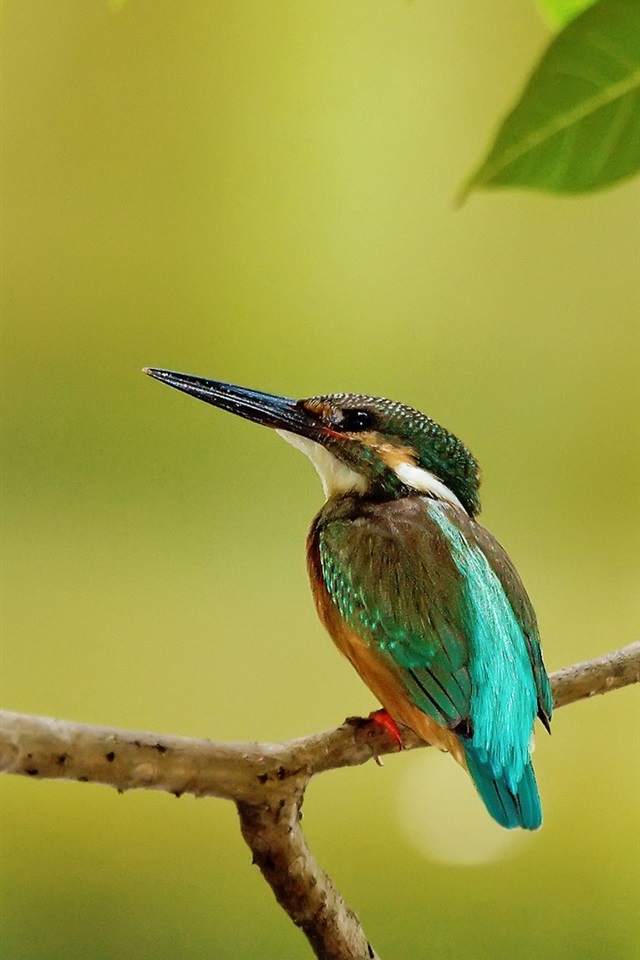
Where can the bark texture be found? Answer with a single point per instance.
(266, 781)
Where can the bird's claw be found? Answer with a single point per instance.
(384, 719)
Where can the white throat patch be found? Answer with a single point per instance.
(337, 478)
(426, 482)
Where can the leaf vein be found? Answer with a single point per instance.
(563, 121)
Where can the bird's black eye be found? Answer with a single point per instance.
(354, 420)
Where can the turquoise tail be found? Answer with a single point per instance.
(520, 809)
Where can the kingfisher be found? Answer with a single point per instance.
(420, 598)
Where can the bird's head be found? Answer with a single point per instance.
(358, 444)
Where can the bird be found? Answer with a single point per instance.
(420, 598)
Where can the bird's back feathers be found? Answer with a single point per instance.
(441, 612)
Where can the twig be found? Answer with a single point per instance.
(266, 781)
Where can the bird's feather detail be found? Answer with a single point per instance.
(511, 809)
(504, 697)
(390, 573)
(521, 605)
(450, 623)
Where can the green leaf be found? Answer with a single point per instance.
(577, 125)
(561, 12)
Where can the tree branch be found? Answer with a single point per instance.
(301, 887)
(608, 672)
(267, 782)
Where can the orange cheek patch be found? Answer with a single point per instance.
(394, 456)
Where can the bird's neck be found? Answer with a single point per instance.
(399, 479)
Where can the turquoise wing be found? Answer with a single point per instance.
(524, 612)
(436, 597)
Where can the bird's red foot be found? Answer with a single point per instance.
(384, 719)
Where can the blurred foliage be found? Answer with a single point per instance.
(260, 193)
(576, 127)
(560, 12)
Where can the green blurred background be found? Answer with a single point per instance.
(263, 193)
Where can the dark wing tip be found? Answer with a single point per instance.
(544, 719)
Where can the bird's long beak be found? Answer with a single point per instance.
(268, 409)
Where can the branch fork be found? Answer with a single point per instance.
(266, 781)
